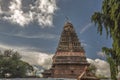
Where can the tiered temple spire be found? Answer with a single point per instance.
(69, 60)
(69, 41)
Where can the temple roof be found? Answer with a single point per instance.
(69, 41)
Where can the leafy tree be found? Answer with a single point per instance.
(11, 65)
(110, 59)
(109, 18)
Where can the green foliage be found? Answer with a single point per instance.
(109, 18)
(112, 61)
(12, 66)
(92, 68)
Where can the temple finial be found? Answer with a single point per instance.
(67, 19)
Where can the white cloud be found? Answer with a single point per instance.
(42, 11)
(42, 36)
(85, 28)
(103, 68)
(101, 54)
(38, 58)
(38, 35)
(84, 44)
(17, 16)
(45, 60)
(45, 11)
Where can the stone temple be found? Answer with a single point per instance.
(69, 60)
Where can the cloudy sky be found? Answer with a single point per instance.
(33, 27)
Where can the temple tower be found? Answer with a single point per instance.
(69, 60)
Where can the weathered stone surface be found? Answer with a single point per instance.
(69, 60)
